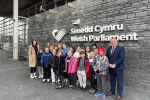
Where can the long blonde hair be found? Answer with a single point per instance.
(59, 52)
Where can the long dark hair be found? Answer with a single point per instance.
(35, 47)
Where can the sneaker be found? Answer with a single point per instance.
(93, 91)
(31, 76)
(90, 90)
(72, 88)
(61, 86)
(48, 80)
(97, 94)
(35, 75)
(83, 90)
(69, 88)
(103, 96)
(39, 76)
(44, 80)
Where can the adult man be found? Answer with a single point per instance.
(115, 54)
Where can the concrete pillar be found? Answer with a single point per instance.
(15, 31)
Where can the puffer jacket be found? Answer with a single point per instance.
(59, 65)
(101, 63)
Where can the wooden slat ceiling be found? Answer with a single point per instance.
(6, 6)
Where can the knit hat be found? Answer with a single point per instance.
(101, 49)
(52, 44)
(95, 45)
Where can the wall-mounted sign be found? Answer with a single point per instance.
(76, 36)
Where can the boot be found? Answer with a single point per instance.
(31, 76)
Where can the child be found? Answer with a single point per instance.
(82, 69)
(96, 51)
(92, 73)
(55, 47)
(100, 65)
(50, 49)
(70, 64)
(45, 65)
(59, 68)
(77, 55)
(65, 49)
(59, 47)
(72, 49)
(88, 50)
(39, 63)
(94, 46)
(51, 63)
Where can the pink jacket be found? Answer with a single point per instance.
(72, 65)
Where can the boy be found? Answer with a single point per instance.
(45, 65)
(82, 70)
(100, 65)
(39, 63)
(96, 51)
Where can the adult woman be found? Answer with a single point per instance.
(33, 51)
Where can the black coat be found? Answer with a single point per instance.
(39, 59)
(51, 61)
(59, 65)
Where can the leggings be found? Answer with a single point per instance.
(71, 79)
(33, 69)
(92, 80)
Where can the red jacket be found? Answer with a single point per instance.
(87, 66)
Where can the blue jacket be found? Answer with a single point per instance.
(45, 60)
(65, 51)
(117, 58)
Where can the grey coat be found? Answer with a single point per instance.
(101, 63)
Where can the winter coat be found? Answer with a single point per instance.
(32, 56)
(51, 61)
(45, 60)
(72, 65)
(87, 65)
(91, 70)
(59, 65)
(76, 55)
(101, 63)
(39, 59)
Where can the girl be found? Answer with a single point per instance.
(51, 63)
(92, 73)
(50, 49)
(39, 63)
(88, 50)
(65, 49)
(48, 44)
(33, 51)
(70, 64)
(59, 47)
(77, 55)
(72, 49)
(59, 67)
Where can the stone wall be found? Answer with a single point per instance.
(134, 14)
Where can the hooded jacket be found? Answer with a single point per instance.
(101, 63)
(45, 60)
(72, 65)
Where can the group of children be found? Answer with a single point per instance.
(62, 63)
